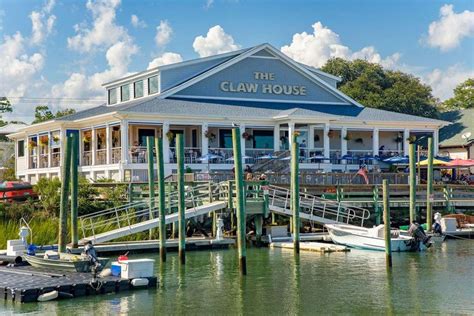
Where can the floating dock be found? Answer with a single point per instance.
(26, 284)
(311, 246)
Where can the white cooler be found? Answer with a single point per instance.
(138, 268)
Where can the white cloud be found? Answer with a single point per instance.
(18, 68)
(103, 33)
(165, 59)
(444, 81)
(163, 33)
(42, 23)
(447, 32)
(316, 48)
(208, 4)
(217, 41)
(136, 22)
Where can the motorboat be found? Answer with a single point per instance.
(64, 262)
(373, 238)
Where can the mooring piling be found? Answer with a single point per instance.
(240, 205)
(429, 186)
(295, 192)
(63, 207)
(74, 189)
(386, 222)
(181, 201)
(151, 180)
(161, 196)
(412, 166)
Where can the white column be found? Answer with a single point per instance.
(93, 145)
(49, 149)
(343, 141)
(375, 141)
(166, 143)
(291, 130)
(204, 139)
(327, 147)
(108, 145)
(406, 135)
(435, 142)
(276, 137)
(242, 140)
(310, 137)
(124, 141)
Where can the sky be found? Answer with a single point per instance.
(60, 52)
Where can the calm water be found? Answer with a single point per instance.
(438, 281)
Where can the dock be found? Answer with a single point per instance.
(26, 284)
(311, 246)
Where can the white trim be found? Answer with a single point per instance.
(264, 57)
(257, 100)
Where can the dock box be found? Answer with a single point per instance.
(115, 268)
(138, 268)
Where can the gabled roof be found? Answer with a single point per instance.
(463, 123)
(12, 128)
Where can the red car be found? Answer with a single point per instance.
(16, 191)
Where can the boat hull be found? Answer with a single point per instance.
(63, 265)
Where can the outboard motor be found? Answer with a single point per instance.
(419, 236)
(91, 254)
(437, 224)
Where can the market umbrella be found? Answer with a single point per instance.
(269, 156)
(243, 157)
(396, 159)
(208, 157)
(460, 163)
(436, 162)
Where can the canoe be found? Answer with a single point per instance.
(72, 263)
(369, 238)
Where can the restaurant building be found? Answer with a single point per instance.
(266, 93)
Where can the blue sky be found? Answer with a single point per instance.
(63, 50)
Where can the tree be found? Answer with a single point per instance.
(5, 106)
(463, 96)
(43, 113)
(373, 86)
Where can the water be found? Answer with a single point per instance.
(438, 281)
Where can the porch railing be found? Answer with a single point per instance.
(55, 159)
(116, 154)
(43, 161)
(87, 158)
(101, 157)
(191, 154)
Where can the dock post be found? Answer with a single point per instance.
(429, 186)
(240, 205)
(295, 192)
(151, 180)
(412, 161)
(161, 196)
(74, 189)
(386, 222)
(376, 204)
(63, 207)
(181, 199)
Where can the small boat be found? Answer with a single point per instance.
(66, 262)
(373, 238)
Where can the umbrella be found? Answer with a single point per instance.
(243, 157)
(460, 163)
(436, 162)
(289, 158)
(396, 159)
(208, 157)
(269, 156)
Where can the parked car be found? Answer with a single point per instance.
(16, 191)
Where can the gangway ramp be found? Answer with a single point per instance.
(315, 209)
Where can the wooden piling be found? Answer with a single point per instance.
(412, 166)
(295, 192)
(63, 207)
(181, 198)
(74, 189)
(429, 186)
(151, 180)
(386, 222)
(161, 197)
(240, 205)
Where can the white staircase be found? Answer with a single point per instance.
(316, 209)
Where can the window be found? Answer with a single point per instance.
(21, 148)
(225, 138)
(262, 139)
(113, 96)
(153, 85)
(138, 89)
(143, 134)
(125, 93)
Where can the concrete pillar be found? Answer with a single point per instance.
(124, 141)
(204, 139)
(343, 141)
(108, 144)
(327, 147)
(435, 142)
(276, 137)
(291, 131)
(310, 137)
(375, 141)
(406, 135)
(166, 143)
(242, 140)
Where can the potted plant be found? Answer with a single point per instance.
(330, 134)
(247, 136)
(210, 135)
(32, 144)
(170, 136)
(56, 138)
(86, 139)
(43, 140)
